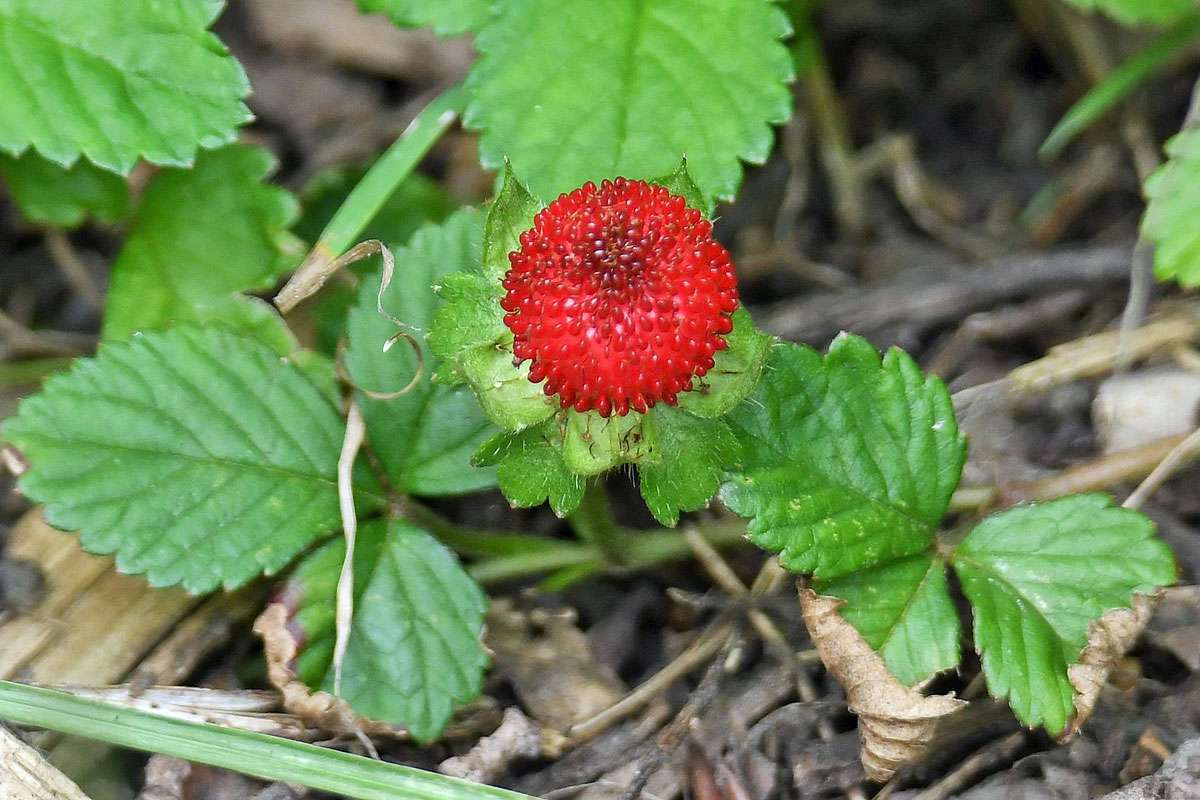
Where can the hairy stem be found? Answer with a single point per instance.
(572, 562)
(593, 522)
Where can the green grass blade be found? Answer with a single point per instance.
(364, 202)
(267, 757)
(1119, 84)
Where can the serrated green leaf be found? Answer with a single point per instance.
(509, 215)
(414, 649)
(423, 438)
(50, 194)
(736, 372)
(197, 456)
(1139, 12)
(849, 461)
(200, 237)
(903, 610)
(1172, 208)
(532, 470)
(1037, 576)
(473, 318)
(629, 87)
(680, 184)
(696, 452)
(446, 17)
(116, 80)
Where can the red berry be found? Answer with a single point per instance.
(619, 296)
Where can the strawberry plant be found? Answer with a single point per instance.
(546, 349)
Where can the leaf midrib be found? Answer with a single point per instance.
(934, 563)
(991, 572)
(227, 462)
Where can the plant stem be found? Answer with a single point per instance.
(577, 562)
(364, 202)
(593, 522)
(266, 757)
(474, 542)
(1090, 476)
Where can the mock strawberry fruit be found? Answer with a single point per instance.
(619, 297)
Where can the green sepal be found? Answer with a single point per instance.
(510, 215)
(470, 318)
(595, 444)
(532, 470)
(695, 454)
(737, 371)
(680, 183)
(505, 392)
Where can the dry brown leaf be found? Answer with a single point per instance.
(1108, 639)
(895, 723)
(317, 709)
(550, 664)
(25, 775)
(516, 739)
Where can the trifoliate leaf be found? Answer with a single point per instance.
(509, 215)
(848, 461)
(696, 453)
(425, 437)
(1139, 12)
(414, 650)
(197, 456)
(1173, 206)
(737, 371)
(904, 611)
(628, 87)
(50, 194)
(116, 80)
(532, 470)
(446, 17)
(1037, 576)
(199, 238)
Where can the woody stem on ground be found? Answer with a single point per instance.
(593, 522)
(1090, 476)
